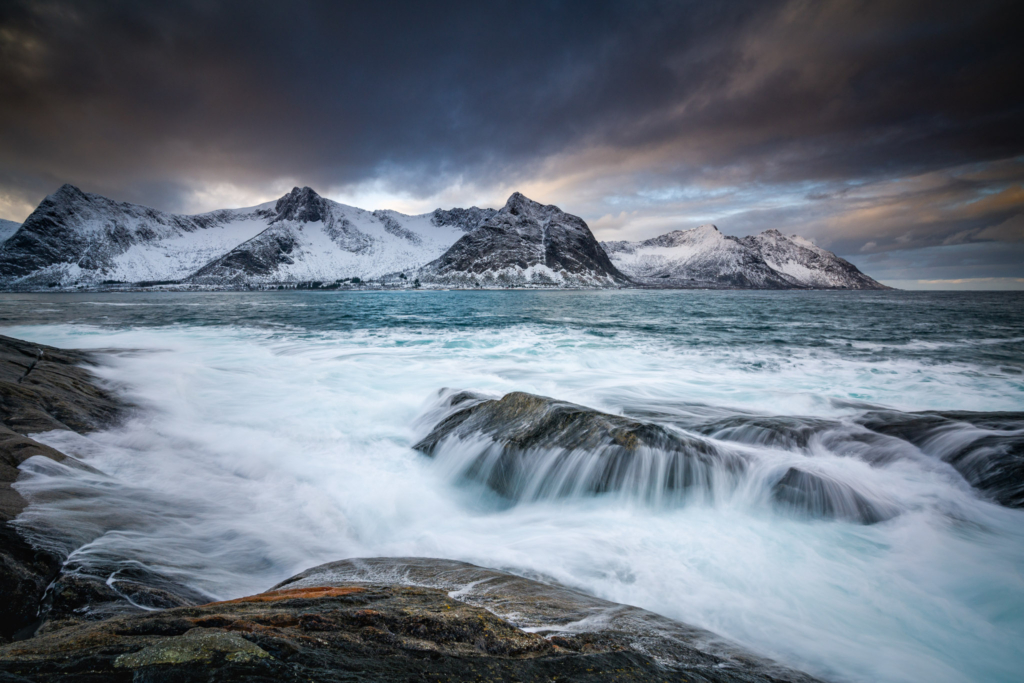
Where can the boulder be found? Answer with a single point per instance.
(820, 496)
(528, 446)
(391, 619)
(987, 449)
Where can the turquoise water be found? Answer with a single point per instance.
(274, 432)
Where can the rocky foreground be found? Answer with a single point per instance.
(398, 619)
(390, 619)
(384, 619)
(41, 389)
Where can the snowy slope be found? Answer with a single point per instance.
(525, 243)
(704, 257)
(701, 257)
(75, 237)
(313, 238)
(7, 228)
(808, 264)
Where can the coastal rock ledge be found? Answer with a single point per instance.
(391, 619)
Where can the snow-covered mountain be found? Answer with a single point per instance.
(74, 237)
(313, 238)
(699, 257)
(809, 265)
(704, 257)
(525, 243)
(7, 228)
(78, 238)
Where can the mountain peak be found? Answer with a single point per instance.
(68, 191)
(519, 203)
(301, 204)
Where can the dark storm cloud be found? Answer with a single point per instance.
(152, 102)
(326, 91)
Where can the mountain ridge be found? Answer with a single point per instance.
(76, 239)
(703, 257)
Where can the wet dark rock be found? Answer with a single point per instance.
(987, 449)
(343, 621)
(74, 596)
(25, 572)
(581, 449)
(42, 388)
(39, 393)
(14, 450)
(806, 434)
(523, 420)
(820, 496)
(771, 431)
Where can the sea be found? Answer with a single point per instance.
(274, 431)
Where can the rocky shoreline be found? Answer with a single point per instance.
(391, 619)
(377, 619)
(41, 388)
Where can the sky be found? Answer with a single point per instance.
(890, 132)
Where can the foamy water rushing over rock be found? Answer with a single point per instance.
(805, 484)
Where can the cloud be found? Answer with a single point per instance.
(851, 122)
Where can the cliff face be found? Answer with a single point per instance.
(525, 243)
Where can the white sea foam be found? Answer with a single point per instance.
(258, 454)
